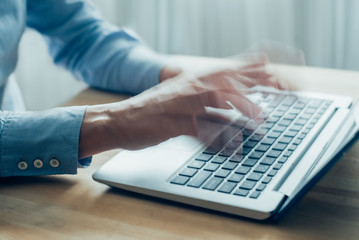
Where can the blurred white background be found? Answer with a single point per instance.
(324, 30)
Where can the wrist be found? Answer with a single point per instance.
(169, 72)
(95, 134)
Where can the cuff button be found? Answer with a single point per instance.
(38, 163)
(22, 165)
(54, 163)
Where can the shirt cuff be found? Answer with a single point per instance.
(40, 143)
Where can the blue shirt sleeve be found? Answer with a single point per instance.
(40, 143)
(101, 54)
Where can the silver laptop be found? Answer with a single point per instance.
(251, 170)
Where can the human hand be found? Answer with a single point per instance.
(172, 108)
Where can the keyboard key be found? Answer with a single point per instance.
(285, 140)
(262, 130)
(295, 111)
(279, 129)
(211, 150)
(268, 160)
(280, 146)
(268, 141)
(310, 110)
(290, 133)
(227, 187)
(189, 172)
(226, 152)
(300, 121)
(180, 180)
(199, 179)
(266, 180)
(289, 100)
(272, 173)
(277, 166)
(297, 141)
(277, 114)
(256, 155)
(283, 108)
(296, 127)
(236, 158)
(230, 165)
(292, 147)
(250, 162)
(255, 194)
(284, 122)
(241, 192)
(287, 154)
(233, 145)
(250, 144)
(211, 167)
(283, 159)
(310, 126)
(315, 103)
(267, 125)
(262, 148)
(273, 134)
(254, 176)
(219, 159)
(243, 151)
(272, 119)
(274, 153)
(299, 105)
(236, 177)
(204, 157)
(261, 168)
(301, 136)
(290, 116)
(239, 138)
(243, 170)
(314, 120)
(261, 187)
(246, 133)
(256, 137)
(213, 183)
(223, 173)
(276, 100)
(196, 164)
(248, 185)
(304, 100)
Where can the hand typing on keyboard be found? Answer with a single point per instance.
(177, 106)
(247, 155)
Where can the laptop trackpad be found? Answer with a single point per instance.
(182, 143)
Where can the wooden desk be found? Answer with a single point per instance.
(76, 207)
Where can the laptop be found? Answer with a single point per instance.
(255, 169)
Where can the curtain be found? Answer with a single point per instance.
(326, 31)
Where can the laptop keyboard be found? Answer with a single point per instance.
(245, 158)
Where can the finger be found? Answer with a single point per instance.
(257, 64)
(243, 104)
(254, 79)
(257, 73)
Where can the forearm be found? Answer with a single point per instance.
(95, 51)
